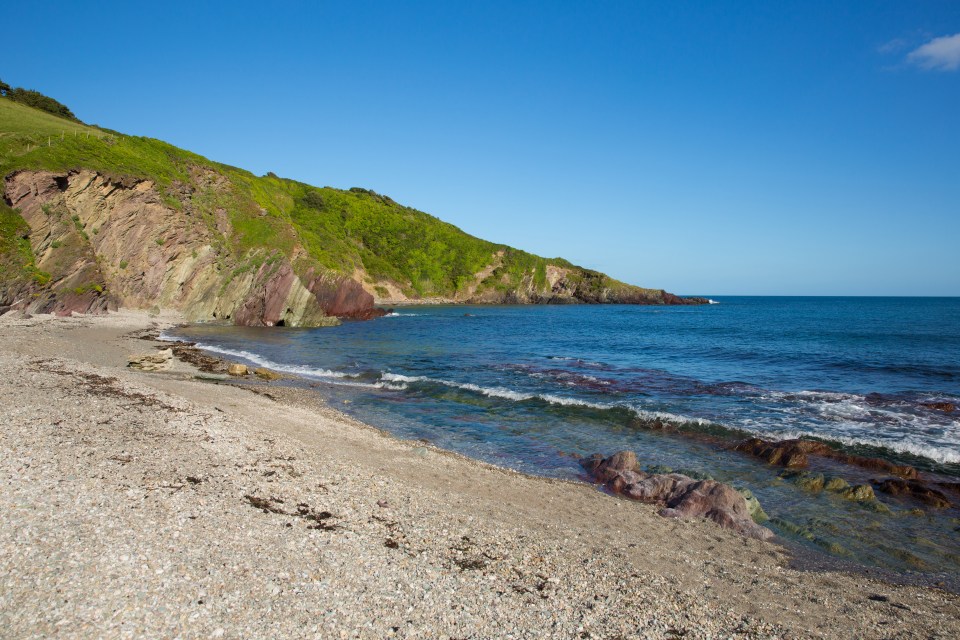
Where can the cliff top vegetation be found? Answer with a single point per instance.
(341, 230)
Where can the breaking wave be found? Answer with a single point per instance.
(898, 423)
(249, 356)
(562, 401)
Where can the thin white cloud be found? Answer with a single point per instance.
(893, 46)
(940, 54)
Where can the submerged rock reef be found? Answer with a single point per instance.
(795, 453)
(904, 481)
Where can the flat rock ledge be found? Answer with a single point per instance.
(681, 496)
(158, 361)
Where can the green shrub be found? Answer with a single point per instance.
(313, 200)
(36, 100)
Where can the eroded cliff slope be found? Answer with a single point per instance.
(114, 242)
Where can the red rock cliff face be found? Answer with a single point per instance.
(343, 297)
(266, 304)
(110, 242)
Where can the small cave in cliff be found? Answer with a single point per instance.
(281, 323)
(62, 182)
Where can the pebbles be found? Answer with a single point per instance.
(133, 507)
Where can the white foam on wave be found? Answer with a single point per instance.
(586, 363)
(941, 454)
(257, 359)
(666, 416)
(569, 379)
(390, 386)
(496, 392)
(850, 420)
(811, 396)
(395, 314)
(518, 396)
(709, 300)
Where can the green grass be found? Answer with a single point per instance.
(338, 229)
(16, 257)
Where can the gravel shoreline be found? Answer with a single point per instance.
(159, 505)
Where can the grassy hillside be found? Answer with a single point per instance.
(338, 230)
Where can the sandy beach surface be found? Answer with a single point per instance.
(162, 505)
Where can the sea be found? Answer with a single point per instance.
(535, 388)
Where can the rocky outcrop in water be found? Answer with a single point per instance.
(786, 453)
(680, 495)
(795, 454)
(914, 489)
(946, 407)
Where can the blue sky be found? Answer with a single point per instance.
(794, 148)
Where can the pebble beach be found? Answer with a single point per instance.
(173, 504)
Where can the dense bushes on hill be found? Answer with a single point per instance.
(36, 100)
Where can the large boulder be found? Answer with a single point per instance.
(680, 495)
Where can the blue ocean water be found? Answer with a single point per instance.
(535, 387)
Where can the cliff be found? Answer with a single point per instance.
(92, 220)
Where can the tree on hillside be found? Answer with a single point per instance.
(36, 100)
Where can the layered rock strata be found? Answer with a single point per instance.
(109, 242)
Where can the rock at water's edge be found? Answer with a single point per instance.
(156, 361)
(753, 506)
(266, 374)
(681, 495)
